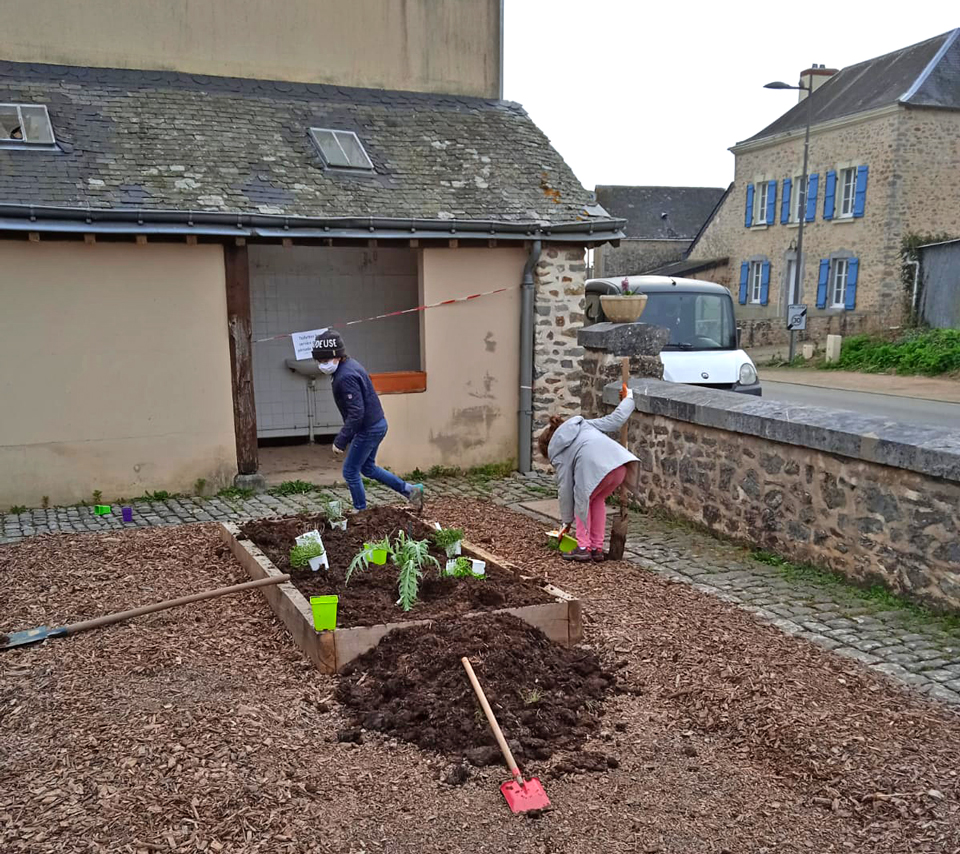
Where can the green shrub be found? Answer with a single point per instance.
(928, 352)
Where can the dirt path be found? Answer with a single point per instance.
(204, 728)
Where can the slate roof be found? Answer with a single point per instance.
(687, 208)
(923, 75)
(685, 268)
(165, 141)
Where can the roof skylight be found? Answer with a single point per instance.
(341, 148)
(25, 124)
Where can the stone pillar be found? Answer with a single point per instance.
(604, 346)
(559, 301)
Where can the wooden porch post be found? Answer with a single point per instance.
(240, 327)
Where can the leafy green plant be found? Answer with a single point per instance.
(411, 556)
(462, 568)
(929, 352)
(97, 496)
(292, 487)
(159, 495)
(235, 492)
(199, 485)
(300, 555)
(45, 502)
(446, 537)
(333, 510)
(17, 509)
(364, 557)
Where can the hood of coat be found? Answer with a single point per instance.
(565, 436)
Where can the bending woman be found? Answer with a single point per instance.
(590, 467)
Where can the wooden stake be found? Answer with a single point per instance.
(191, 240)
(141, 240)
(89, 239)
(239, 325)
(34, 236)
(454, 243)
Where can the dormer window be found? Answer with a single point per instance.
(341, 149)
(25, 124)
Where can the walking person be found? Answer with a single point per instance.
(364, 424)
(590, 467)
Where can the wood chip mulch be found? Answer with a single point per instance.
(204, 729)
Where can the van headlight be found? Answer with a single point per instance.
(748, 374)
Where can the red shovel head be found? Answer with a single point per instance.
(523, 796)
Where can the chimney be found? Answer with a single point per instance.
(814, 77)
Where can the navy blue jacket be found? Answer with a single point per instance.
(356, 399)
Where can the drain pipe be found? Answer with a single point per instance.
(525, 433)
(916, 282)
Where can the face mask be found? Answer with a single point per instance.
(328, 367)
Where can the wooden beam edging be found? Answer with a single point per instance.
(330, 652)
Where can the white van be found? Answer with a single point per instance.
(704, 344)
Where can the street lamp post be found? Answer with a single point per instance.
(801, 201)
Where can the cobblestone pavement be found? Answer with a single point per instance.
(915, 651)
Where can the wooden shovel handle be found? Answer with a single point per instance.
(497, 734)
(109, 619)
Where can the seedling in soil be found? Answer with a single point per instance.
(17, 509)
(333, 510)
(292, 487)
(449, 539)
(300, 555)
(375, 553)
(411, 556)
(531, 698)
(97, 496)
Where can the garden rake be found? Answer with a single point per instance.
(41, 633)
(521, 795)
(618, 534)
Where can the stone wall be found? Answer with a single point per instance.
(559, 288)
(633, 257)
(877, 502)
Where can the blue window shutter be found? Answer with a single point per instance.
(744, 272)
(829, 195)
(860, 198)
(748, 214)
(771, 202)
(765, 283)
(785, 201)
(850, 297)
(812, 197)
(822, 283)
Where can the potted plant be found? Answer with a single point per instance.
(449, 539)
(324, 612)
(310, 552)
(375, 553)
(335, 518)
(411, 556)
(465, 567)
(625, 307)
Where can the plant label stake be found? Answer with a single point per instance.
(521, 795)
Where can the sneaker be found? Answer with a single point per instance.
(415, 496)
(578, 554)
(598, 556)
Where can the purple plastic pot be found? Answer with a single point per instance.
(127, 514)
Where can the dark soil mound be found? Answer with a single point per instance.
(371, 596)
(413, 686)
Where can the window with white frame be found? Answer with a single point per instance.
(25, 124)
(341, 148)
(848, 190)
(795, 200)
(760, 203)
(838, 282)
(755, 281)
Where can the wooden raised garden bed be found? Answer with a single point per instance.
(367, 607)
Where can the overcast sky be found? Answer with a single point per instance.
(641, 92)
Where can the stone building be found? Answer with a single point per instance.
(661, 224)
(168, 223)
(884, 163)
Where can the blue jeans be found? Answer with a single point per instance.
(361, 459)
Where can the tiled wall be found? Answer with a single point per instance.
(298, 288)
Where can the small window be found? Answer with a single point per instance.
(756, 280)
(760, 207)
(341, 148)
(25, 124)
(838, 282)
(848, 190)
(798, 193)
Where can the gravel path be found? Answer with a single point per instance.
(204, 729)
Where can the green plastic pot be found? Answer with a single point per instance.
(324, 612)
(568, 543)
(378, 556)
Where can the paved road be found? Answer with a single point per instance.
(906, 409)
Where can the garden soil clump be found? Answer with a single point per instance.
(413, 687)
(371, 597)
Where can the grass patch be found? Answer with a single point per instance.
(878, 597)
(293, 487)
(17, 509)
(925, 352)
(488, 471)
(159, 495)
(235, 492)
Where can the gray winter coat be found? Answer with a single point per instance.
(583, 456)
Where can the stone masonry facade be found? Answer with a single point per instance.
(633, 257)
(558, 307)
(913, 186)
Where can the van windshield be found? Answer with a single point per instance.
(695, 321)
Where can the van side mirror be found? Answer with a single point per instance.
(739, 338)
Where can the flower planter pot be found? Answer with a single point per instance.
(378, 557)
(567, 544)
(324, 612)
(623, 309)
(317, 562)
(320, 560)
(477, 567)
(339, 525)
(454, 549)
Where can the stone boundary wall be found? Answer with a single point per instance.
(874, 500)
